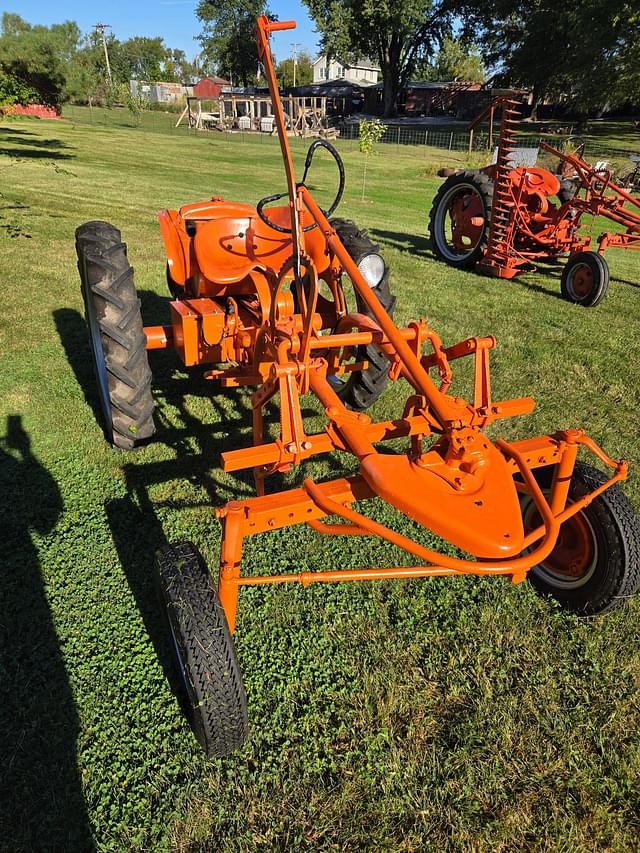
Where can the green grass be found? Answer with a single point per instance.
(439, 715)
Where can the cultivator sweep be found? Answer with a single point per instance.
(501, 219)
(260, 299)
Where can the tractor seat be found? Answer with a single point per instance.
(228, 248)
(223, 249)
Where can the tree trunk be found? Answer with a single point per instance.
(536, 97)
(391, 73)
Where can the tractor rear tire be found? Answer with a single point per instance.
(209, 678)
(363, 387)
(607, 573)
(585, 279)
(476, 184)
(116, 334)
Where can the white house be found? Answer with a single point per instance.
(363, 71)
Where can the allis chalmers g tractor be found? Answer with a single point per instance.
(247, 307)
(500, 220)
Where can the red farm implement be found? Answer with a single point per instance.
(502, 219)
(247, 306)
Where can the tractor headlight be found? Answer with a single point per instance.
(372, 269)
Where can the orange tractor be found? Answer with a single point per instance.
(247, 307)
(501, 219)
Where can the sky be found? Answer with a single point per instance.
(173, 20)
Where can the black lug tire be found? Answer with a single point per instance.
(616, 528)
(567, 191)
(483, 186)
(116, 333)
(600, 272)
(363, 387)
(204, 654)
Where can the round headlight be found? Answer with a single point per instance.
(372, 268)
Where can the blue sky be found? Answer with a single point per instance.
(174, 20)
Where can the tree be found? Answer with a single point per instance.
(400, 35)
(370, 132)
(178, 68)
(142, 58)
(304, 70)
(228, 37)
(585, 52)
(454, 61)
(38, 56)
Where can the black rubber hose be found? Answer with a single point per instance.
(319, 143)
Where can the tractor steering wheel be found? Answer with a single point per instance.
(319, 143)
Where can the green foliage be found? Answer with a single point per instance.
(370, 132)
(37, 56)
(59, 64)
(585, 53)
(228, 37)
(304, 70)
(399, 35)
(14, 91)
(454, 61)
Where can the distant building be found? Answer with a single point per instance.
(210, 87)
(363, 71)
(161, 93)
(455, 99)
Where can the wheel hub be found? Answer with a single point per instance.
(582, 281)
(574, 554)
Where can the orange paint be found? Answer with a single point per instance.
(269, 309)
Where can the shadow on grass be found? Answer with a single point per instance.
(41, 802)
(417, 244)
(625, 281)
(34, 153)
(72, 330)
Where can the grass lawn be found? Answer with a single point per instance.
(438, 715)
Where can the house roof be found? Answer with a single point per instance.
(365, 64)
(220, 81)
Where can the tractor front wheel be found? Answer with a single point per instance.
(460, 218)
(116, 334)
(363, 387)
(585, 279)
(595, 565)
(209, 680)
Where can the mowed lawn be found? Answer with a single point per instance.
(437, 715)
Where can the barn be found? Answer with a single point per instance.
(210, 87)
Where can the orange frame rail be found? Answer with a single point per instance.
(453, 480)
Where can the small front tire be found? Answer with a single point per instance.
(595, 565)
(209, 678)
(585, 279)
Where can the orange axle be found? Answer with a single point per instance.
(248, 294)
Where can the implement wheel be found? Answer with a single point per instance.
(209, 679)
(460, 218)
(363, 387)
(585, 279)
(595, 565)
(118, 343)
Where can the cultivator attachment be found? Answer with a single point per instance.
(260, 299)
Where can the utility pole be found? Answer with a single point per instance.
(100, 28)
(294, 48)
